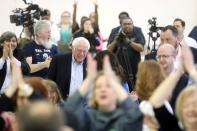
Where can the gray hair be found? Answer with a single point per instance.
(78, 40)
(40, 25)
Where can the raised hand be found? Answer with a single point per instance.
(16, 77)
(75, 2)
(187, 58)
(108, 69)
(95, 2)
(18, 81)
(91, 30)
(113, 80)
(47, 62)
(10, 52)
(5, 51)
(87, 85)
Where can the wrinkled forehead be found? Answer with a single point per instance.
(45, 28)
(166, 49)
(81, 46)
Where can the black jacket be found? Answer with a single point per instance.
(60, 72)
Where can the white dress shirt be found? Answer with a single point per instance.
(76, 76)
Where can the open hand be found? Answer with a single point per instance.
(5, 51)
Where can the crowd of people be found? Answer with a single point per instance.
(59, 78)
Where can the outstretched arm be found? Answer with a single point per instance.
(165, 89)
(188, 61)
(96, 12)
(74, 23)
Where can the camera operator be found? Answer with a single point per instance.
(127, 45)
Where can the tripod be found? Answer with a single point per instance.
(123, 57)
(153, 36)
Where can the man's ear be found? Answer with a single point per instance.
(38, 34)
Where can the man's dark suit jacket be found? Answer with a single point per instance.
(19, 55)
(60, 72)
(193, 33)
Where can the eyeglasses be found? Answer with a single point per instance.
(158, 57)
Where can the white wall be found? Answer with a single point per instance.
(139, 10)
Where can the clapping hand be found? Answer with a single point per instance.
(17, 82)
(113, 80)
(87, 85)
(10, 52)
(187, 58)
(5, 51)
(91, 30)
(47, 62)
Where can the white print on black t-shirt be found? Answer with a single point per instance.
(45, 56)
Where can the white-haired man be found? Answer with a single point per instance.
(69, 70)
(40, 51)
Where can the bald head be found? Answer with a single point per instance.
(167, 48)
(166, 56)
(37, 116)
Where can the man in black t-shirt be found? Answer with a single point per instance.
(40, 51)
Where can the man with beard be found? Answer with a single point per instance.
(40, 51)
(127, 44)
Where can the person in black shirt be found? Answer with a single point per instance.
(127, 45)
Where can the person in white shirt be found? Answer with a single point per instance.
(179, 24)
(10, 53)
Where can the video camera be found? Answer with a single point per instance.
(26, 16)
(121, 36)
(153, 32)
(153, 23)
